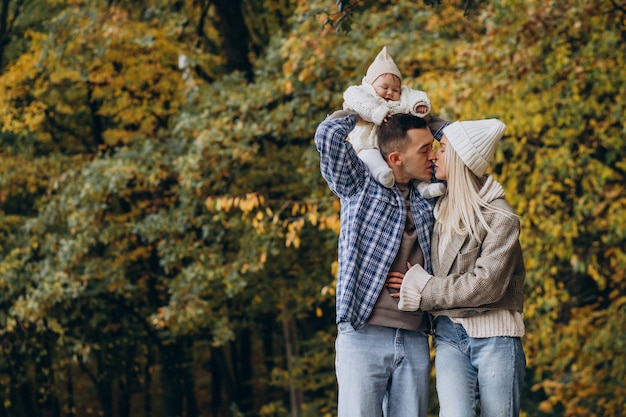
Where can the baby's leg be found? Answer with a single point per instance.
(377, 166)
(431, 190)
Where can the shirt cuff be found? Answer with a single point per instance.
(413, 284)
(341, 114)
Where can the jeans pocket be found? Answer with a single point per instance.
(344, 327)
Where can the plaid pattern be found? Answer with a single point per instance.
(372, 221)
(439, 133)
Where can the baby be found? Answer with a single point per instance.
(380, 94)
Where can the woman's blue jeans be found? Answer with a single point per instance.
(382, 370)
(469, 370)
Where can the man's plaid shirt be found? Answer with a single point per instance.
(372, 221)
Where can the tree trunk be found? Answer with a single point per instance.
(191, 404)
(24, 401)
(147, 384)
(102, 382)
(244, 374)
(97, 127)
(44, 378)
(291, 338)
(4, 28)
(216, 385)
(70, 391)
(125, 385)
(223, 378)
(236, 36)
(171, 381)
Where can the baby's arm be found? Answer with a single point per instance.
(417, 101)
(364, 100)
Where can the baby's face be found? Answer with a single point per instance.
(388, 86)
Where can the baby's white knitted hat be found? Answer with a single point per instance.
(475, 141)
(383, 64)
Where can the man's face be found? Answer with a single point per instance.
(416, 159)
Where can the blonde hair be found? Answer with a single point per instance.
(462, 208)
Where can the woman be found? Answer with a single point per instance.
(475, 294)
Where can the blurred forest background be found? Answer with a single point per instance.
(168, 246)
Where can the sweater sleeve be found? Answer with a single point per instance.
(486, 270)
(364, 100)
(413, 283)
(415, 99)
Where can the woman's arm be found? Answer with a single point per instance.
(485, 274)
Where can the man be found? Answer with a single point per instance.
(382, 355)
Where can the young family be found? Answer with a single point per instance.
(418, 258)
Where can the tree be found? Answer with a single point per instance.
(166, 239)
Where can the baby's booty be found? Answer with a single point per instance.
(431, 190)
(385, 177)
(378, 167)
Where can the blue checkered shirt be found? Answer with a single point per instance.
(372, 221)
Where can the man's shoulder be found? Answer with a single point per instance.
(340, 121)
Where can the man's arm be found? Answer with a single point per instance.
(340, 166)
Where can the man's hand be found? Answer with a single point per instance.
(393, 283)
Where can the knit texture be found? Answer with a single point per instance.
(494, 323)
(383, 64)
(413, 284)
(475, 141)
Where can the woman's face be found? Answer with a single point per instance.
(440, 162)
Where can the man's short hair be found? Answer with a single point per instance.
(392, 135)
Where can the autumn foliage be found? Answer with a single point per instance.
(168, 246)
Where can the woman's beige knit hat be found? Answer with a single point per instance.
(383, 64)
(475, 141)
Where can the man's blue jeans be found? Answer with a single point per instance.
(468, 370)
(382, 370)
